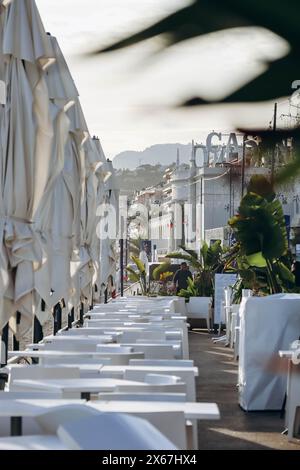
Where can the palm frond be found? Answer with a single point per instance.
(139, 264)
(203, 17)
(188, 258)
(162, 268)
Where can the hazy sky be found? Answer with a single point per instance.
(125, 95)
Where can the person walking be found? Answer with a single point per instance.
(181, 276)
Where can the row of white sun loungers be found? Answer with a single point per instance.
(123, 380)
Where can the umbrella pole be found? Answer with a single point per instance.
(38, 333)
(4, 345)
(16, 343)
(92, 299)
(71, 318)
(57, 318)
(81, 314)
(122, 266)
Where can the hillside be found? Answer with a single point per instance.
(160, 154)
(140, 178)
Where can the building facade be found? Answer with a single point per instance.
(195, 201)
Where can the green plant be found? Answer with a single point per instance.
(191, 291)
(139, 275)
(206, 264)
(162, 268)
(260, 255)
(134, 246)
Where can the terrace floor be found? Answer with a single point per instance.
(236, 430)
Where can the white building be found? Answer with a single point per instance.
(196, 201)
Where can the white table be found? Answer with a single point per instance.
(88, 332)
(199, 411)
(32, 443)
(49, 354)
(46, 354)
(83, 386)
(86, 370)
(19, 408)
(101, 339)
(171, 370)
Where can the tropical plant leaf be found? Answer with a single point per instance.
(192, 253)
(203, 251)
(260, 227)
(181, 256)
(274, 83)
(162, 268)
(260, 185)
(290, 171)
(133, 276)
(135, 246)
(207, 16)
(213, 255)
(271, 137)
(139, 264)
(285, 273)
(257, 260)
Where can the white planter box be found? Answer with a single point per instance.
(268, 324)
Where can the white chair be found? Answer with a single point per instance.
(50, 421)
(186, 376)
(113, 431)
(176, 345)
(30, 395)
(200, 308)
(234, 313)
(35, 372)
(32, 442)
(155, 351)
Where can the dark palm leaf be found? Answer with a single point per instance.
(270, 138)
(290, 171)
(186, 257)
(275, 82)
(162, 268)
(260, 227)
(192, 253)
(207, 16)
(261, 186)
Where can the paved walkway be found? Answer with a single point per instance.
(217, 382)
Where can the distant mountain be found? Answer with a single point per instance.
(163, 154)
